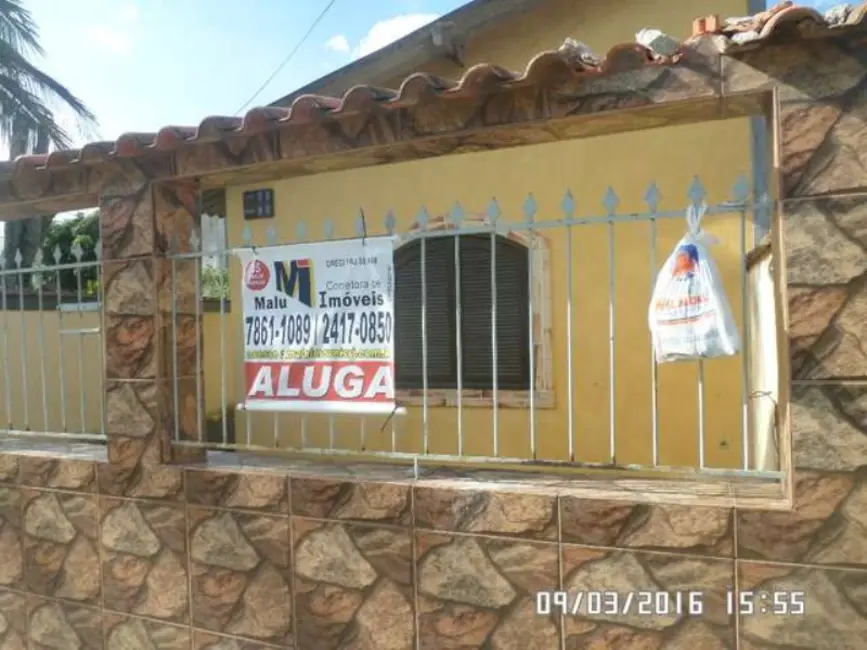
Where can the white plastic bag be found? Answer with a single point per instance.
(690, 316)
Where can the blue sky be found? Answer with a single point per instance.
(206, 56)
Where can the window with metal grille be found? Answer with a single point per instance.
(512, 316)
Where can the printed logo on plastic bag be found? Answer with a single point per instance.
(690, 316)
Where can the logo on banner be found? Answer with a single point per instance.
(256, 275)
(686, 261)
(297, 281)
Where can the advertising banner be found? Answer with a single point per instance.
(319, 326)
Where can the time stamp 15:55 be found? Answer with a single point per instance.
(778, 602)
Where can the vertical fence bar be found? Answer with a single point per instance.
(328, 230)
(652, 197)
(610, 201)
(457, 218)
(195, 247)
(223, 288)
(530, 214)
(422, 222)
(4, 275)
(271, 240)
(40, 306)
(741, 195)
(654, 369)
(24, 381)
(60, 317)
(697, 194)
(247, 237)
(390, 222)
(568, 206)
(494, 215)
(78, 253)
(100, 301)
(174, 344)
(701, 450)
(301, 235)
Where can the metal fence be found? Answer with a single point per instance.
(51, 382)
(594, 395)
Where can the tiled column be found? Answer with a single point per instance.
(820, 546)
(144, 406)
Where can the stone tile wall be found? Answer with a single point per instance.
(145, 552)
(255, 559)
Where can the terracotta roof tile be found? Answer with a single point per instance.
(571, 59)
(782, 19)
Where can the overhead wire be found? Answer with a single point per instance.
(289, 57)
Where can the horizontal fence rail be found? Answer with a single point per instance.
(583, 286)
(51, 342)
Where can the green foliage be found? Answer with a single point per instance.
(83, 230)
(215, 282)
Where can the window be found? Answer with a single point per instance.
(513, 335)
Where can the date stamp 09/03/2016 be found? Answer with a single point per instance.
(595, 603)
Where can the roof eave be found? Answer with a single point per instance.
(415, 49)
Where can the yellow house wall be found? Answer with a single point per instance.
(31, 341)
(716, 152)
(31, 355)
(628, 162)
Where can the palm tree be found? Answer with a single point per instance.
(27, 123)
(26, 91)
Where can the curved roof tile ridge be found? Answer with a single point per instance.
(571, 59)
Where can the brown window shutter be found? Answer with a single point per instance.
(512, 314)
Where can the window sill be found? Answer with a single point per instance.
(604, 485)
(448, 397)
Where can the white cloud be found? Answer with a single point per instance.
(128, 13)
(117, 41)
(338, 43)
(116, 36)
(388, 31)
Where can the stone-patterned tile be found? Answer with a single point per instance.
(181, 340)
(838, 152)
(236, 490)
(821, 92)
(649, 622)
(479, 592)
(126, 204)
(130, 346)
(13, 620)
(241, 574)
(364, 501)
(829, 426)
(9, 468)
(11, 549)
(131, 633)
(834, 614)
(496, 513)
(690, 529)
(135, 420)
(826, 246)
(353, 586)
(144, 558)
(825, 240)
(58, 473)
(828, 524)
(208, 641)
(62, 626)
(60, 545)
(801, 69)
